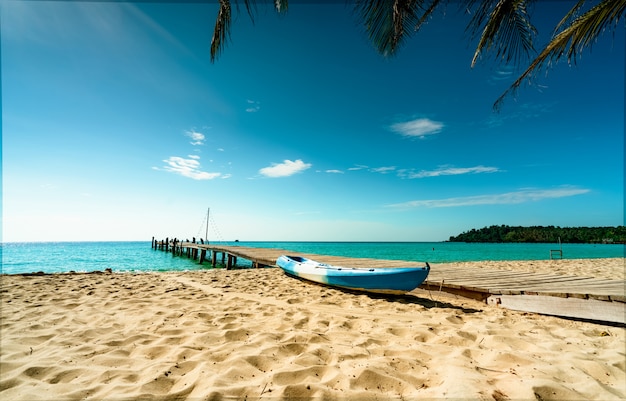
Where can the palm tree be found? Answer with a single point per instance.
(502, 26)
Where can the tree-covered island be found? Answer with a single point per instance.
(504, 233)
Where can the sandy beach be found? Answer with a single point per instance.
(258, 334)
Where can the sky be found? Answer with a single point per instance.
(116, 126)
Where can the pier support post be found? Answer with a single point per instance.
(213, 258)
(202, 255)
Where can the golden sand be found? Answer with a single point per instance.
(258, 334)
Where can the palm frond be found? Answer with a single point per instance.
(281, 6)
(573, 39)
(221, 31)
(250, 8)
(389, 22)
(480, 10)
(591, 24)
(507, 28)
(429, 11)
(568, 16)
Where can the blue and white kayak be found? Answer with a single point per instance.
(380, 280)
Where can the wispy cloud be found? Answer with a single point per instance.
(357, 167)
(189, 167)
(383, 170)
(333, 171)
(503, 74)
(197, 138)
(284, 169)
(420, 127)
(447, 171)
(253, 106)
(304, 213)
(525, 112)
(508, 198)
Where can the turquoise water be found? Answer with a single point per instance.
(57, 257)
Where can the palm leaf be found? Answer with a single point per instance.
(389, 22)
(221, 30)
(507, 28)
(427, 14)
(568, 16)
(573, 39)
(281, 6)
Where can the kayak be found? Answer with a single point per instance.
(392, 280)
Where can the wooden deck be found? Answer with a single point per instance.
(553, 294)
(589, 298)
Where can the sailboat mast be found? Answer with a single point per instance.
(206, 235)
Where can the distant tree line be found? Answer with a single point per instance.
(503, 233)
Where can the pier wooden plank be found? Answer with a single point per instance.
(592, 309)
(504, 283)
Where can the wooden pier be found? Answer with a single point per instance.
(262, 257)
(552, 294)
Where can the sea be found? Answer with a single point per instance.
(62, 257)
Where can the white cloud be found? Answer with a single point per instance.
(383, 170)
(188, 168)
(417, 128)
(253, 106)
(357, 167)
(284, 169)
(508, 198)
(334, 171)
(452, 171)
(197, 138)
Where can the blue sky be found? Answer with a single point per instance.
(116, 126)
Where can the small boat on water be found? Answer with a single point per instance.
(393, 280)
